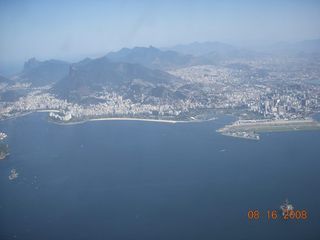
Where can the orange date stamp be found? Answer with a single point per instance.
(274, 214)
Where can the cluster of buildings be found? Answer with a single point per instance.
(288, 105)
(113, 105)
(265, 88)
(262, 88)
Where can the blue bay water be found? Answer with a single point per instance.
(144, 180)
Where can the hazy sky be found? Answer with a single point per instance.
(74, 29)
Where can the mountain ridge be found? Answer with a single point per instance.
(151, 57)
(85, 78)
(41, 73)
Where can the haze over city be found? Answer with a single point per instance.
(72, 30)
(159, 119)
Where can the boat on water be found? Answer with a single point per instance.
(285, 207)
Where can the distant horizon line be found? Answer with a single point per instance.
(7, 68)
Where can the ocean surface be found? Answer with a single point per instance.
(146, 180)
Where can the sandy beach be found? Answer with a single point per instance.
(132, 119)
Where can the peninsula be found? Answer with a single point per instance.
(250, 129)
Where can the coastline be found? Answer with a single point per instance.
(255, 137)
(73, 122)
(244, 128)
(27, 113)
(98, 118)
(132, 119)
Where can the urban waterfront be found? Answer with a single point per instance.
(153, 180)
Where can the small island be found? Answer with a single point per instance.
(4, 151)
(250, 129)
(2, 136)
(13, 174)
(4, 148)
